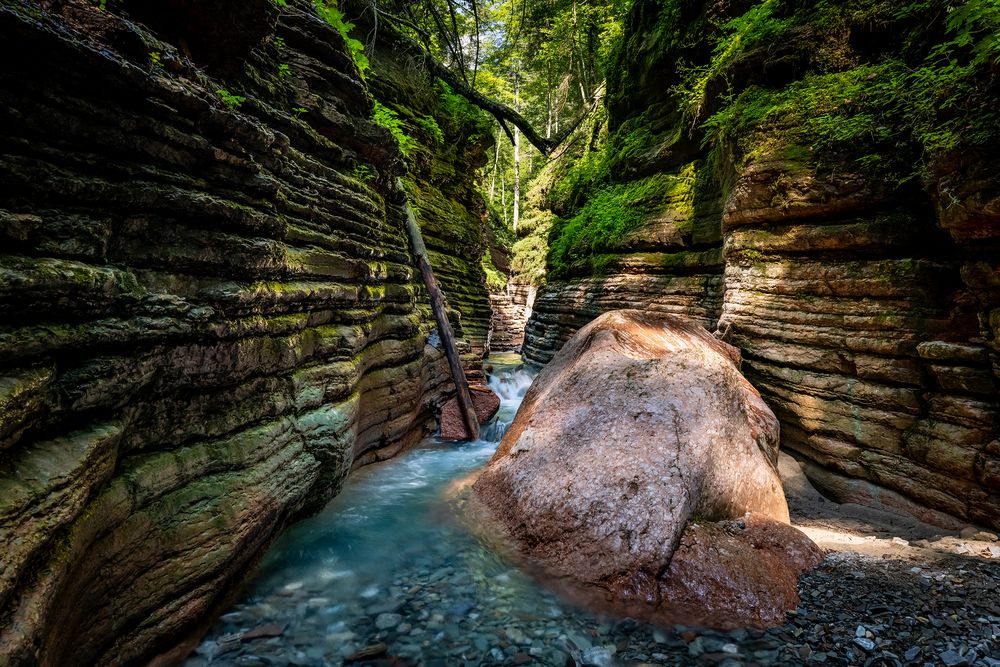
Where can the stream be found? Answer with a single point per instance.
(382, 569)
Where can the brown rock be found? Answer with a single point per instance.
(639, 423)
(737, 571)
(261, 631)
(486, 403)
(367, 653)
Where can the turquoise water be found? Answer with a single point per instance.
(382, 567)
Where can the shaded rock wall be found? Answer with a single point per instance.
(208, 315)
(450, 142)
(866, 309)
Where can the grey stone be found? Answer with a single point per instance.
(865, 643)
(387, 621)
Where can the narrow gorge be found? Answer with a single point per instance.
(215, 341)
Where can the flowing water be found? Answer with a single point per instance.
(383, 566)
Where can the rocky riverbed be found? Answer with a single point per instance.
(382, 577)
(856, 609)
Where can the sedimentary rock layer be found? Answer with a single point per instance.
(511, 310)
(208, 313)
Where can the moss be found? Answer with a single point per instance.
(496, 281)
(617, 209)
(750, 257)
(890, 113)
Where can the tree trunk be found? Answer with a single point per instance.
(496, 160)
(517, 150)
(548, 99)
(503, 197)
(465, 404)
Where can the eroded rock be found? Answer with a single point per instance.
(641, 422)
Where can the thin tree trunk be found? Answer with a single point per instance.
(548, 98)
(465, 404)
(517, 149)
(496, 160)
(503, 197)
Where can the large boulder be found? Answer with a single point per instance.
(641, 423)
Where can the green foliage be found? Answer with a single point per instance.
(892, 115)
(330, 13)
(460, 114)
(389, 119)
(298, 111)
(757, 27)
(974, 25)
(364, 173)
(231, 101)
(431, 128)
(495, 280)
(613, 211)
(528, 257)
(284, 70)
(154, 59)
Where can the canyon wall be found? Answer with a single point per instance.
(804, 180)
(208, 310)
(512, 307)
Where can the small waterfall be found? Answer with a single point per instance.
(510, 382)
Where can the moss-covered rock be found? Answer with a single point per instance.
(209, 310)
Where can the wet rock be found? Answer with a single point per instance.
(636, 411)
(367, 653)
(387, 621)
(738, 572)
(261, 631)
(486, 403)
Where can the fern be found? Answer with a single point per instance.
(333, 16)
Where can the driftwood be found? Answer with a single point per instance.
(465, 404)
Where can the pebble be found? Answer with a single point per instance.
(953, 659)
(865, 643)
(387, 621)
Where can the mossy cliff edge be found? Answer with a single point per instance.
(819, 182)
(208, 310)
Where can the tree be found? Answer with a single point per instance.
(458, 39)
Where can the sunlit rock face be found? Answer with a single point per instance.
(638, 424)
(867, 310)
(208, 314)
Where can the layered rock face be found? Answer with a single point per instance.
(511, 310)
(208, 310)
(849, 245)
(858, 328)
(641, 422)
